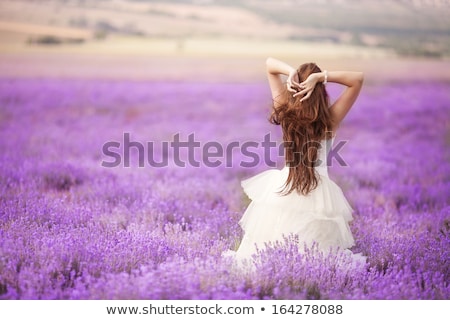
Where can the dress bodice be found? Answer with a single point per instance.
(325, 147)
(322, 156)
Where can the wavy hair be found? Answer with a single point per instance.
(304, 125)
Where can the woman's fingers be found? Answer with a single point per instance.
(302, 92)
(306, 97)
(306, 89)
(306, 93)
(292, 86)
(295, 83)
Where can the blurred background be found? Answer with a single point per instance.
(77, 74)
(222, 40)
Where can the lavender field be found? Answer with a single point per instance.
(71, 228)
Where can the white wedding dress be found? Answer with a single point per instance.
(321, 217)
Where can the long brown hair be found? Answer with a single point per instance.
(304, 125)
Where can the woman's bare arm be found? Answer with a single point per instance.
(275, 70)
(353, 82)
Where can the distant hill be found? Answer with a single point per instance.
(410, 27)
(415, 28)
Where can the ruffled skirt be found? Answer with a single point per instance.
(322, 217)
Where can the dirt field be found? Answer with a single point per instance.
(204, 61)
(160, 41)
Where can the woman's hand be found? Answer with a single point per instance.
(292, 86)
(307, 86)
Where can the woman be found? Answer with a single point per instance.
(301, 199)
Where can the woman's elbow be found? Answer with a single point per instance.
(361, 77)
(358, 79)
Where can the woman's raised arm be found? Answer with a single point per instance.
(275, 70)
(352, 80)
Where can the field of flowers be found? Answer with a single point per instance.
(72, 228)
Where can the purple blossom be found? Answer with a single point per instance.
(72, 229)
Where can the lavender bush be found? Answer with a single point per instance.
(71, 228)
